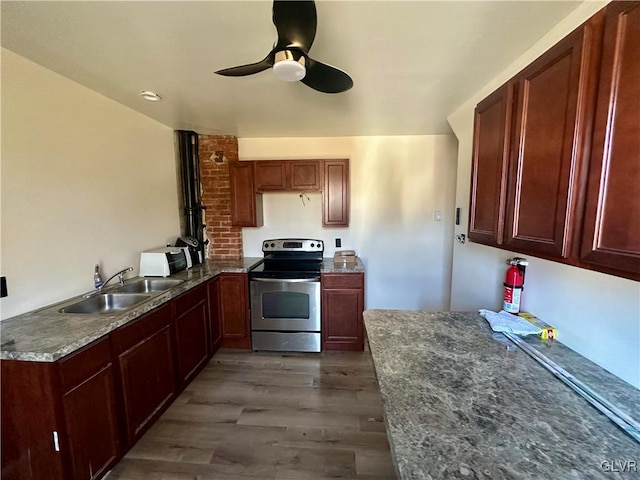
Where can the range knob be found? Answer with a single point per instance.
(319, 244)
(266, 245)
(273, 245)
(312, 245)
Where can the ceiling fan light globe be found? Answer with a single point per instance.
(289, 71)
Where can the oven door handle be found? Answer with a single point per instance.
(286, 280)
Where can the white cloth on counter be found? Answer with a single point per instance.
(506, 322)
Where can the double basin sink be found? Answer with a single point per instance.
(121, 298)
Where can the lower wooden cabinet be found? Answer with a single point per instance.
(73, 419)
(89, 406)
(342, 307)
(192, 327)
(92, 425)
(234, 310)
(215, 323)
(145, 355)
(59, 419)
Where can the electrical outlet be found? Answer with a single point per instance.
(437, 215)
(338, 242)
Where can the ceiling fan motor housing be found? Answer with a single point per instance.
(289, 66)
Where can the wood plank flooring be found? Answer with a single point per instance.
(269, 416)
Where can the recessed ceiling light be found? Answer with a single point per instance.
(151, 96)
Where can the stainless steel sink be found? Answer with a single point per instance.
(149, 285)
(105, 303)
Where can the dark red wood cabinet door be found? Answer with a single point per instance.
(92, 425)
(234, 311)
(490, 166)
(148, 380)
(271, 175)
(611, 231)
(29, 404)
(305, 175)
(342, 308)
(245, 210)
(335, 193)
(545, 163)
(215, 329)
(192, 340)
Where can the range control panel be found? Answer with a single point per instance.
(293, 245)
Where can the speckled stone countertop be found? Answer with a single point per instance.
(329, 267)
(45, 335)
(461, 402)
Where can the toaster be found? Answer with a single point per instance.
(162, 262)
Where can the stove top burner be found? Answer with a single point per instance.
(290, 258)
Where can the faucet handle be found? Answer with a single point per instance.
(121, 274)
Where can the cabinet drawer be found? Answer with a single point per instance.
(340, 280)
(76, 368)
(188, 300)
(128, 335)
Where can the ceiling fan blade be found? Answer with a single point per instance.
(296, 22)
(325, 78)
(249, 69)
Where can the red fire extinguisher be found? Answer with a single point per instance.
(514, 284)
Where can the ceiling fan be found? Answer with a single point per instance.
(296, 23)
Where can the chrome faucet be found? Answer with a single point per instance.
(100, 284)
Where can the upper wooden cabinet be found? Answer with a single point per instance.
(553, 104)
(305, 175)
(246, 205)
(568, 124)
(490, 166)
(250, 178)
(271, 175)
(611, 235)
(286, 175)
(335, 194)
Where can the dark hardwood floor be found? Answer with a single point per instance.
(269, 416)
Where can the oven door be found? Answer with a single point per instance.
(285, 304)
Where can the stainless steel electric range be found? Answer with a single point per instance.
(285, 296)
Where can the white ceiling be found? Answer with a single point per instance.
(412, 63)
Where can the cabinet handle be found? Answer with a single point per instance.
(286, 280)
(56, 443)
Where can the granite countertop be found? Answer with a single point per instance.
(45, 335)
(461, 402)
(329, 267)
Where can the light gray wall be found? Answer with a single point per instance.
(396, 184)
(85, 180)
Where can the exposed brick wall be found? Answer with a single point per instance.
(225, 240)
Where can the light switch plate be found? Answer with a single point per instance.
(437, 215)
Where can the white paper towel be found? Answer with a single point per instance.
(506, 322)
